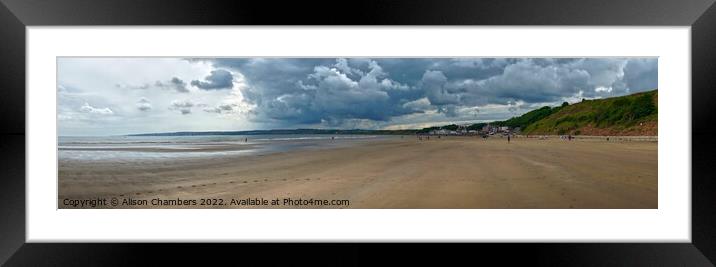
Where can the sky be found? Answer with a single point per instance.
(115, 96)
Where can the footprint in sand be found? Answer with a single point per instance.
(245, 182)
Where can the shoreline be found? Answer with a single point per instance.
(451, 172)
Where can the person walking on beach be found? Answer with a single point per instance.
(508, 138)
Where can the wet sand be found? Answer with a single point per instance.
(456, 172)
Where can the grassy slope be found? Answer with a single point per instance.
(634, 114)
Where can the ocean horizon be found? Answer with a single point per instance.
(139, 148)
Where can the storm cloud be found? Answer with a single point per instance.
(333, 91)
(174, 84)
(217, 80)
(149, 94)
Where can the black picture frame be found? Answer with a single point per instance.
(700, 15)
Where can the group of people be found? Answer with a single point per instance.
(426, 137)
(566, 137)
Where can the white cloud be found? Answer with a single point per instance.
(607, 89)
(144, 104)
(87, 108)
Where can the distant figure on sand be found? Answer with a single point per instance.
(246, 140)
(508, 138)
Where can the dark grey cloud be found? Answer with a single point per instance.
(433, 84)
(223, 108)
(525, 80)
(309, 91)
(641, 74)
(295, 91)
(183, 106)
(217, 80)
(144, 104)
(174, 84)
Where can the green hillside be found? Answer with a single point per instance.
(530, 117)
(634, 114)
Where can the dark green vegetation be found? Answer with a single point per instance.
(634, 114)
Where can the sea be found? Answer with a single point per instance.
(143, 148)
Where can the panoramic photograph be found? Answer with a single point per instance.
(357, 133)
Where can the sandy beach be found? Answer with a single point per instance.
(454, 172)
